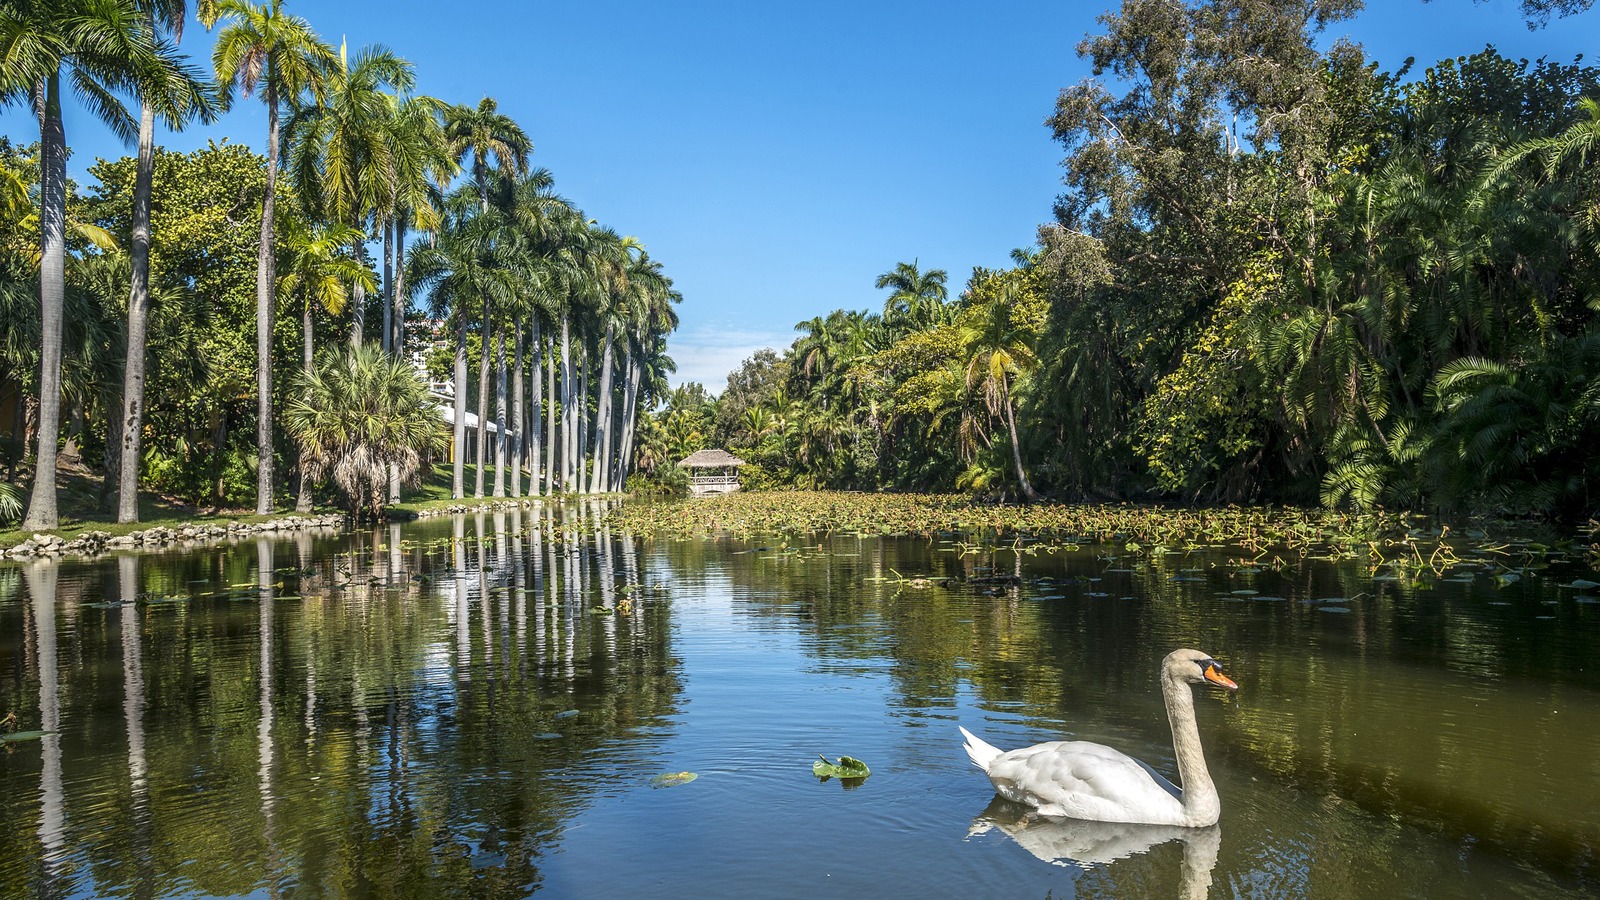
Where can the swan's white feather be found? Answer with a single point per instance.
(1084, 780)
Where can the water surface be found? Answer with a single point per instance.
(478, 706)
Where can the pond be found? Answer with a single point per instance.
(503, 704)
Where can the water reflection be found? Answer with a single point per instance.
(1085, 846)
(477, 705)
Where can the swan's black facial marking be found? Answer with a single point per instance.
(1211, 671)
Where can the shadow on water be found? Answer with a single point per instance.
(480, 705)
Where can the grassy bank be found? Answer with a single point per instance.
(79, 501)
(81, 509)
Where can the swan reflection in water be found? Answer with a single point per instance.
(1084, 845)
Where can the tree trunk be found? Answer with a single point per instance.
(358, 299)
(569, 425)
(266, 282)
(536, 411)
(483, 402)
(52, 292)
(458, 487)
(519, 415)
(399, 296)
(1016, 452)
(583, 417)
(600, 483)
(630, 417)
(500, 412)
(387, 339)
(302, 502)
(138, 321)
(551, 467)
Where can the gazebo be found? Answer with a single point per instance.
(712, 472)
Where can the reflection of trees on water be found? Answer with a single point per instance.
(1425, 700)
(353, 716)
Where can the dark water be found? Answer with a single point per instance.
(478, 707)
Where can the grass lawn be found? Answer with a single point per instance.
(78, 499)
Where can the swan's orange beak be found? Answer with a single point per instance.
(1215, 676)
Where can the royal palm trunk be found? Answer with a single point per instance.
(518, 414)
(133, 366)
(500, 413)
(52, 292)
(458, 486)
(600, 483)
(266, 280)
(483, 403)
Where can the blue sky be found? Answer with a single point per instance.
(777, 157)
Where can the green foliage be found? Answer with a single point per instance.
(844, 767)
(356, 415)
(10, 503)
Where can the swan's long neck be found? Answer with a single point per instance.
(1201, 805)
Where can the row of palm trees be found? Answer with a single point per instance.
(364, 157)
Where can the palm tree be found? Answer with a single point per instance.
(319, 272)
(481, 133)
(176, 101)
(917, 299)
(421, 160)
(343, 152)
(484, 132)
(998, 358)
(359, 413)
(103, 46)
(468, 269)
(263, 46)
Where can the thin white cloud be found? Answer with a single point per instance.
(708, 353)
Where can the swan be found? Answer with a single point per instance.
(1084, 780)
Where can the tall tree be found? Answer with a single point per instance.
(319, 273)
(101, 46)
(916, 299)
(174, 101)
(343, 149)
(481, 133)
(261, 46)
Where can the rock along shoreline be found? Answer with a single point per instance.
(161, 537)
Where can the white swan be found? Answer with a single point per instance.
(1083, 780)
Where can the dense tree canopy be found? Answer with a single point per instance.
(1278, 271)
(165, 275)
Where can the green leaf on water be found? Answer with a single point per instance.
(1581, 584)
(672, 779)
(565, 714)
(24, 736)
(846, 767)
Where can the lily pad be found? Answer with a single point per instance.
(547, 736)
(566, 714)
(15, 736)
(672, 779)
(846, 767)
(1581, 584)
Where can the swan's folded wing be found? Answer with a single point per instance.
(1083, 780)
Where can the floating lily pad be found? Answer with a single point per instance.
(566, 714)
(672, 779)
(1245, 593)
(1581, 584)
(1333, 609)
(16, 736)
(547, 736)
(846, 767)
